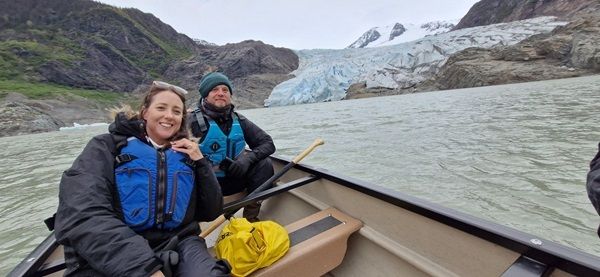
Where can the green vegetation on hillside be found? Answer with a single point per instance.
(173, 50)
(20, 56)
(49, 48)
(51, 91)
(114, 32)
(153, 59)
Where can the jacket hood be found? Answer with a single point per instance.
(126, 126)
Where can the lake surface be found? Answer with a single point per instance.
(514, 154)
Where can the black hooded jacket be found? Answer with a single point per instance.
(593, 182)
(89, 220)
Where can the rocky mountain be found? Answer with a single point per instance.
(568, 51)
(83, 44)
(399, 33)
(254, 68)
(487, 12)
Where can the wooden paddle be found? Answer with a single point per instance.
(217, 222)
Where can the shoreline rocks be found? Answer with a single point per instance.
(23, 119)
(27, 116)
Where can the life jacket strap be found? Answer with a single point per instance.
(189, 162)
(123, 158)
(200, 119)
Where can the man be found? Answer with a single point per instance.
(223, 136)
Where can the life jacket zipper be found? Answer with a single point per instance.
(169, 215)
(162, 187)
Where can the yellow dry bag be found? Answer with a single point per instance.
(251, 246)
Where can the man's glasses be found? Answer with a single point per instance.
(167, 86)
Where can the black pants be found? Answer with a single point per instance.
(194, 260)
(256, 176)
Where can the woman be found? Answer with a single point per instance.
(131, 202)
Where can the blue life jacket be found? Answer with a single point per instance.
(216, 145)
(154, 186)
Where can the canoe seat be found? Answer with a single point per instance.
(317, 245)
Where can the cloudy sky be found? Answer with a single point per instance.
(301, 24)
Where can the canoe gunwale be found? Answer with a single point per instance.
(551, 254)
(34, 261)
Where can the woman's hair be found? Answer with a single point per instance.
(125, 109)
(155, 89)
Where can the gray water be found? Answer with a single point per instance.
(515, 154)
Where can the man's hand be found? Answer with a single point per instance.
(239, 167)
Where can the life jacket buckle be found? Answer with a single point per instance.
(123, 158)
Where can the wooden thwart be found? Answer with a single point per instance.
(318, 245)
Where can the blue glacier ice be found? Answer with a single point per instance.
(326, 74)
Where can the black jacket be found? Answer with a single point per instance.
(259, 141)
(593, 181)
(89, 220)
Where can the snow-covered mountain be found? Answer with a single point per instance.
(399, 33)
(204, 42)
(325, 75)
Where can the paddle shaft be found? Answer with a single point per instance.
(274, 190)
(217, 222)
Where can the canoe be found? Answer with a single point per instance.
(341, 226)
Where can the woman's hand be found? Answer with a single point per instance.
(157, 274)
(188, 147)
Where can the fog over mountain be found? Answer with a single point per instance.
(325, 75)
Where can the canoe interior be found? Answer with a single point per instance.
(407, 235)
(401, 235)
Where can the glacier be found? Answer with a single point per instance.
(326, 74)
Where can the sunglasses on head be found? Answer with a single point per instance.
(167, 86)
